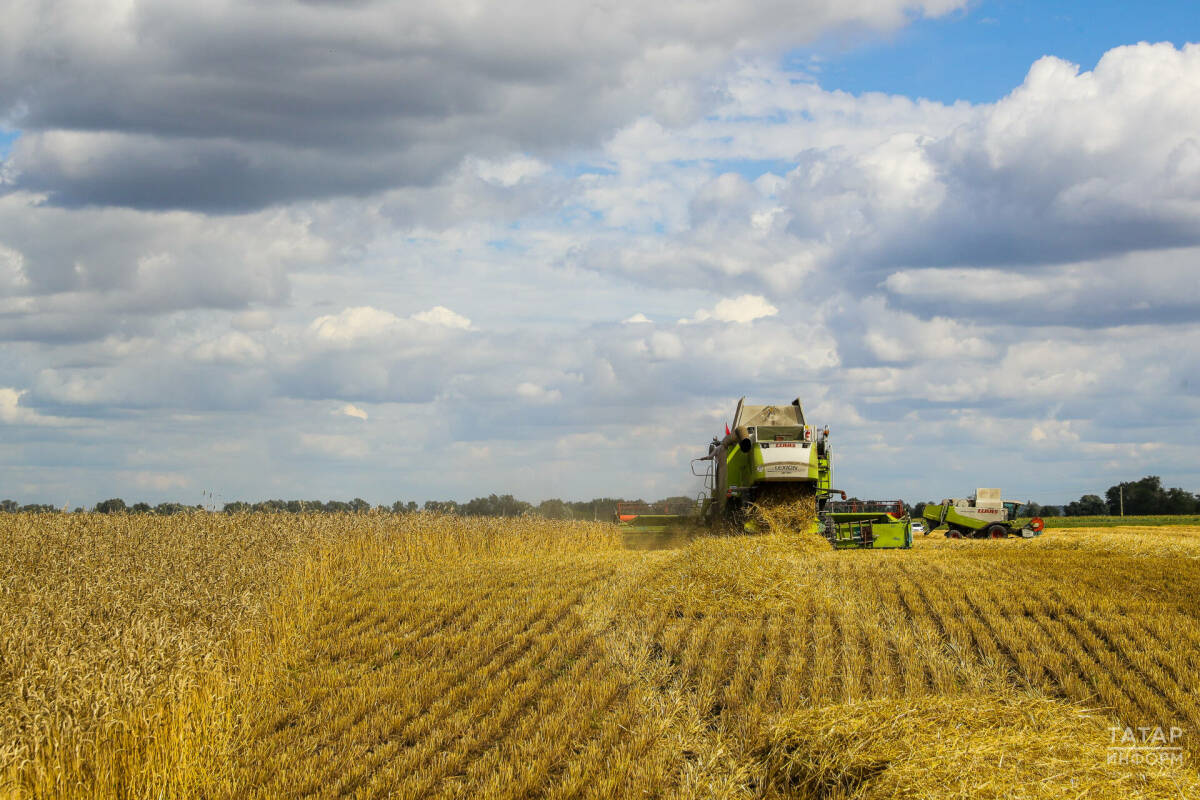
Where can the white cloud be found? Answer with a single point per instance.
(351, 410)
(440, 315)
(937, 285)
(538, 394)
(11, 410)
(742, 309)
(13, 413)
(899, 337)
(395, 93)
(360, 322)
(511, 171)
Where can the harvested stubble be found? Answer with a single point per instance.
(421, 656)
(1001, 745)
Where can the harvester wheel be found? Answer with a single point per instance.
(953, 534)
(997, 531)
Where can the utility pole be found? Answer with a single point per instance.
(1121, 494)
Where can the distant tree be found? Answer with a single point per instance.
(1144, 496)
(113, 505)
(1050, 511)
(677, 504)
(495, 506)
(441, 506)
(167, 509)
(1089, 505)
(401, 507)
(554, 509)
(359, 506)
(236, 507)
(140, 508)
(602, 508)
(9, 506)
(1179, 501)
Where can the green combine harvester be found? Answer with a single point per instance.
(982, 516)
(771, 457)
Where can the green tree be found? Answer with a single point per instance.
(114, 505)
(554, 509)
(1147, 496)
(1089, 505)
(495, 506)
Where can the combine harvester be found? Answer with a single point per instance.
(771, 458)
(982, 516)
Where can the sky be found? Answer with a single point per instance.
(438, 250)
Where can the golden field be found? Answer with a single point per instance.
(229, 656)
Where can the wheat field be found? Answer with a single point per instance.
(276, 656)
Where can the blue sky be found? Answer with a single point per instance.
(7, 137)
(552, 271)
(980, 54)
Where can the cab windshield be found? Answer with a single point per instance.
(780, 434)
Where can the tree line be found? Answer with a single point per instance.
(1143, 497)
(505, 505)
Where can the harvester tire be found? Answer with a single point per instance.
(997, 531)
(953, 534)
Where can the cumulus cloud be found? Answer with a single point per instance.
(11, 410)
(84, 273)
(440, 315)
(1007, 287)
(360, 322)
(1073, 166)
(745, 308)
(365, 323)
(15, 412)
(132, 105)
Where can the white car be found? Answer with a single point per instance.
(918, 526)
